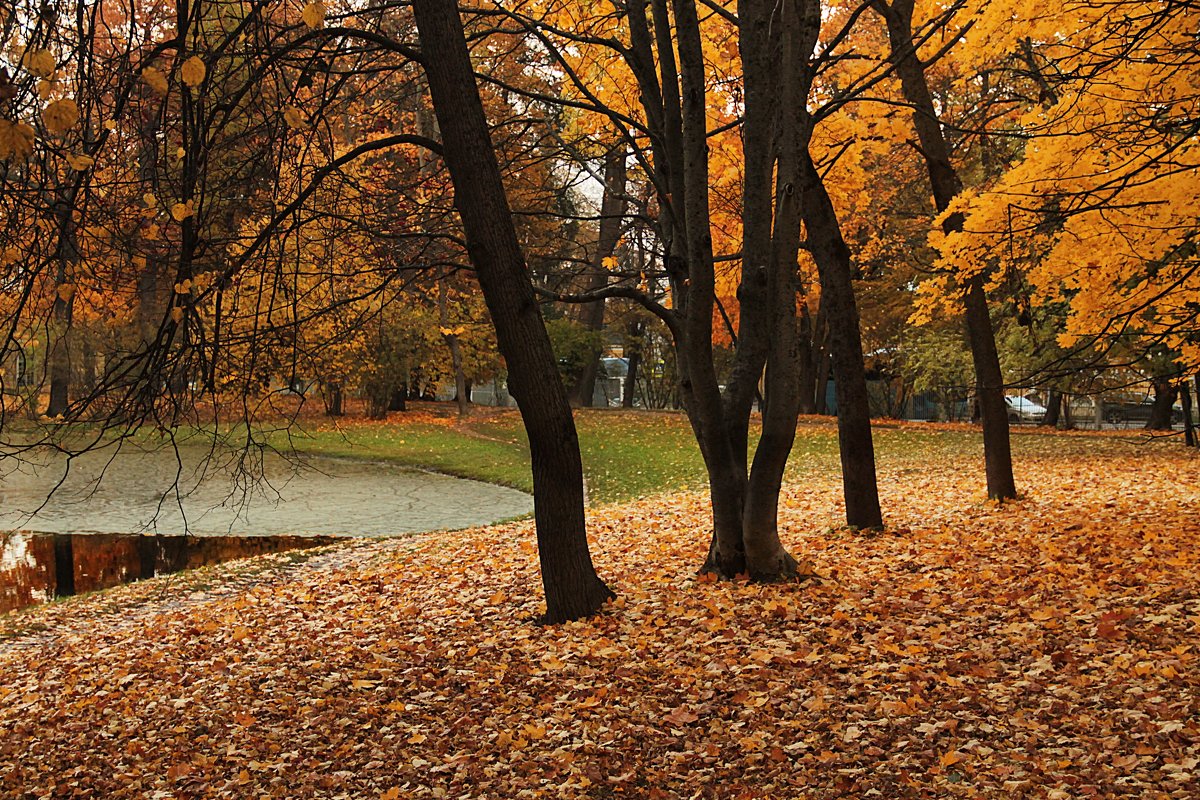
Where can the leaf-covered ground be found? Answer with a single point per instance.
(1046, 648)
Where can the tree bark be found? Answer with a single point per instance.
(572, 588)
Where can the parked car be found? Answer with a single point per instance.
(1124, 412)
(1022, 409)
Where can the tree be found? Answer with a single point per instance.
(704, 196)
(573, 590)
(946, 184)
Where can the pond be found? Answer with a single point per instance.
(190, 507)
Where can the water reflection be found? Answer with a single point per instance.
(36, 567)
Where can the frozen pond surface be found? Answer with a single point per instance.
(151, 491)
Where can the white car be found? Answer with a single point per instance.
(1022, 409)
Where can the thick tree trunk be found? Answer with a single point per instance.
(573, 590)
(766, 558)
(944, 180)
(612, 212)
(694, 284)
(1165, 393)
(832, 256)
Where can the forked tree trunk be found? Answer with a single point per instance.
(573, 590)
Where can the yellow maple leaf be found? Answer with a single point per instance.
(16, 139)
(193, 71)
(314, 15)
(294, 117)
(181, 211)
(60, 116)
(79, 162)
(38, 63)
(155, 80)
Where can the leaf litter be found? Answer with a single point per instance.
(1043, 648)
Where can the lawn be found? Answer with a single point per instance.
(1044, 649)
(631, 454)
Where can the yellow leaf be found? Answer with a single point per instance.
(150, 200)
(363, 684)
(950, 758)
(155, 80)
(110, 124)
(181, 211)
(38, 63)
(193, 71)
(390, 794)
(294, 117)
(44, 88)
(177, 315)
(66, 291)
(60, 116)
(314, 15)
(79, 162)
(16, 140)
(498, 598)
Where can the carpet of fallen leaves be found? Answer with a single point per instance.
(1044, 648)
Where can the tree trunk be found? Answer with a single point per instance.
(832, 256)
(573, 590)
(1165, 393)
(612, 212)
(1053, 407)
(766, 558)
(1189, 431)
(633, 358)
(989, 392)
(944, 180)
(333, 400)
(450, 336)
(63, 311)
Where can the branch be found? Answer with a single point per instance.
(669, 318)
